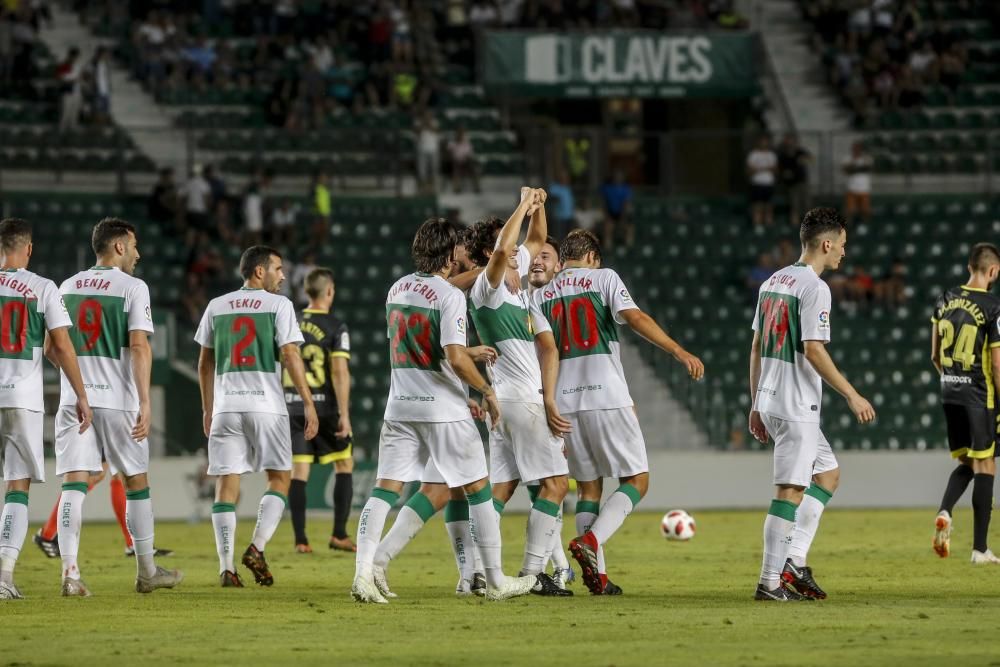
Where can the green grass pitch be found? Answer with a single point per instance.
(892, 601)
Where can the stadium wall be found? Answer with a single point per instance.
(692, 480)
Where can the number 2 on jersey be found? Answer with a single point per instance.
(248, 328)
(965, 346)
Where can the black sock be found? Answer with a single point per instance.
(297, 504)
(982, 507)
(958, 482)
(343, 493)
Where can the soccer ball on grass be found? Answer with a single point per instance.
(677, 525)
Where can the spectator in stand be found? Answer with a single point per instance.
(762, 164)
(924, 63)
(617, 196)
(858, 169)
(402, 39)
(217, 185)
(101, 76)
(197, 194)
(254, 209)
(163, 203)
(463, 162)
(793, 168)
(283, 220)
(428, 153)
(321, 207)
(70, 73)
(564, 209)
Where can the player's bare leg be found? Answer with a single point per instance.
(227, 493)
(297, 505)
(14, 520)
(796, 572)
(139, 519)
(272, 507)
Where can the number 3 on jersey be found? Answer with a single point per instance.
(413, 337)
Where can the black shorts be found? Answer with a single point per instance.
(761, 194)
(971, 431)
(326, 447)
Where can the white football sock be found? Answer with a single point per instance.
(614, 512)
(370, 525)
(408, 523)
(556, 553)
(70, 523)
(807, 523)
(272, 506)
(778, 528)
(13, 528)
(538, 541)
(486, 534)
(139, 519)
(224, 523)
(456, 522)
(584, 520)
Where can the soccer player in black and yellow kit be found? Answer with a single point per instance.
(326, 353)
(965, 349)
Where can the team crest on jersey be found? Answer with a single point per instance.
(460, 325)
(824, 319)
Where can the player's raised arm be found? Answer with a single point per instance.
(59, 349)
(538, 227)
(496, 269)
(646, 326)
(206, 383)
(820, 359)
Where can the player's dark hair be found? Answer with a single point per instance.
(316, 282)
(15, 233)
(107, 232)
(434, 244)
(551, 240)
(577, 244)
(983, 256)
(482, 238)
(819, 221)
(254, 256)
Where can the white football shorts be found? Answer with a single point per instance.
(21, 438)
(108, 438)
(240, 442)
(800, 451)
(605, 443)
(454, 448)
(522, 447)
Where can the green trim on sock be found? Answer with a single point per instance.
(591, 506)
(483, 495)
(75, 486)
(499, 506)
(545, 507)
(783, 509)
(456, 510)
(390, 497)
(141, 494)
(533, 491)
(422, 505)
(220, 508)
(819, 493)
(281, 496)
(632, 493)
(20, 497)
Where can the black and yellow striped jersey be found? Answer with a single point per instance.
(967, 321)
(326, 337)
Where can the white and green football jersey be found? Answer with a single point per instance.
(509, 323)
(793, 306)
(582, 306)
(424, 313)
(247, 329)
(29, 306)
(105, 304)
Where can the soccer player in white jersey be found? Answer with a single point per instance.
(30, 306)
(427, 415)
(788, 364)
(246, 337)
(583, 304)
(522, 447)
(111, 312)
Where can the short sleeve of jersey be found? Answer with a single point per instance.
(484, 294)
(53, 308)
(340, 346)
(286, 327)
(453, 324)
(814, 313)
(523, 261)
(539, 324)
(616, 295)
(205, 335)
(140, 314)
